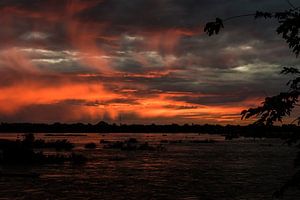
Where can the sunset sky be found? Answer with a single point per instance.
(136, 61)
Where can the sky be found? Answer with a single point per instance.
(137, 61)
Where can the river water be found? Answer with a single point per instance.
(236, 170)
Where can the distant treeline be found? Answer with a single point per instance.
(103, 127)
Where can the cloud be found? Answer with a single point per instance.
(142, 60)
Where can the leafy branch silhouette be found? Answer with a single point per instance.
(275, 108)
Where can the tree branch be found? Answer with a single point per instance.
(239, 16)
(294, 7)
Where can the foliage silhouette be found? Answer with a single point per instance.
(29, 151)
(90, 145)
(214, 27)
(274, 108)
(132, 144)
(77, 130)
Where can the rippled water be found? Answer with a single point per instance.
(238, 169)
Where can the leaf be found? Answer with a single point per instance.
(212, 28)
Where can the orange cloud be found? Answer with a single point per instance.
(88, 40)
(15, 97)
(84, 37)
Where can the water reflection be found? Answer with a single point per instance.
(236, 169)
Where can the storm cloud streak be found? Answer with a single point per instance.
(136, 61)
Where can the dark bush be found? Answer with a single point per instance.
(90, 145)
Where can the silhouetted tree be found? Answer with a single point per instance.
(274, 108)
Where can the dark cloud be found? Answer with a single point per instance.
(151, 48)
(83, 102)
(36, 113)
